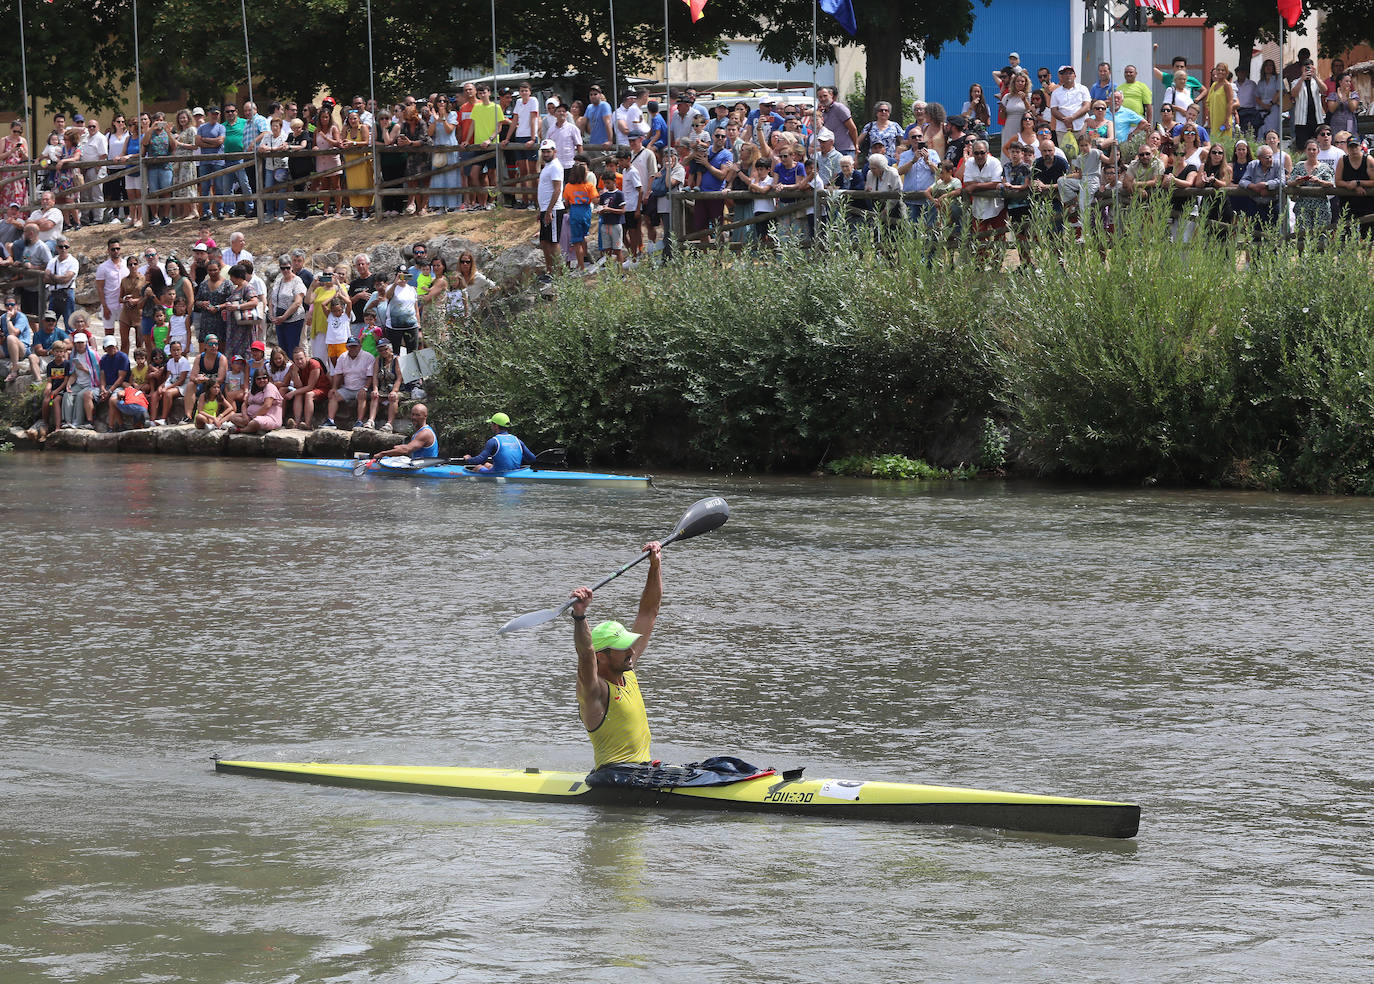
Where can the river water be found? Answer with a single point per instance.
(1204, 654)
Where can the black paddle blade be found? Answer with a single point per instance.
(704, 516)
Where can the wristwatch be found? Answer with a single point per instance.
(579, 618)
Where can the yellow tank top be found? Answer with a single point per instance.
(623, 734)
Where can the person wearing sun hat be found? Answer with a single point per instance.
(608, 697)
(504, 450)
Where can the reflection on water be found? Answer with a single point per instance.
(1201, 653)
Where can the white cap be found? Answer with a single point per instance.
(109, 340)
(548, 145)
(199, 246)
(198, 111)
(825, 135)
(551, 101)
(1014, 55)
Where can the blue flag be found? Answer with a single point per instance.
(842, 11)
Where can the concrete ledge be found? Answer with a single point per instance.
(186, 439)
(245, 446)
(205, 441)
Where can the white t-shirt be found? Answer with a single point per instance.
(176, 331)
(175, 367)
(109, 274)
(549, 174)
(1069, 100)
(523, 110)
(54, 216)
(762, 205)
(984, 208)
(284, 295)
(632, 116)
(566, 139)
(60, 267)
(355, 369)
(678, 175)
(336, 329)
(646, 166)
(630, 186)
(1331, 156)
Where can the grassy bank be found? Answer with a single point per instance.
(1130, 359)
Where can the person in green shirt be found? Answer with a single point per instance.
(487, 117)
(234, 128)
(1179, 62)
(1135, 95)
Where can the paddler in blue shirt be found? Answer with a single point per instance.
(608, 698)
(504, 450)
(424, 443)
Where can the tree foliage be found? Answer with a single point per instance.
(887, 32)
(1348, 23)
(76, 57)
(81, 54)
(1243, 23)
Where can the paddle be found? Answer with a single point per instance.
(550, 456)
(704, 516)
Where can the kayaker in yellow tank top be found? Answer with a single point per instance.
(608, 697)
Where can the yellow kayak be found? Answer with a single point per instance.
(785, 793)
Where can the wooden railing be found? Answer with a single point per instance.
(298, 188)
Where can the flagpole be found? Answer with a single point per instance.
(247, 57)
(1283, 174)
(615, 95)
(814, 143)
(667, 86)
(496, 98)
(31, 127)
(138, 81)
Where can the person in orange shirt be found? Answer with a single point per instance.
(465, 149)
(579, 193)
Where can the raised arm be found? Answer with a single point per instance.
(650, 599)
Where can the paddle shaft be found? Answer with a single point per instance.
(607, 580)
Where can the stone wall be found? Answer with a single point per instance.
(186, 439)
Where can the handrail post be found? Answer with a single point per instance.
(376, 174)
(146, 221)
(257, 187)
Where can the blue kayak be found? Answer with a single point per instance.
(400, 467)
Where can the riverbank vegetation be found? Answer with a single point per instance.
(1219, 361)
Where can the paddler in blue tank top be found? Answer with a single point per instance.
(424, 443)
(608, 698)
(504, 450)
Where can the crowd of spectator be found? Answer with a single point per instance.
(1068, 142)
(601, 174)
(208, 341)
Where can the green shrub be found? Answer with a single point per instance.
(894, 466)
(735, 361)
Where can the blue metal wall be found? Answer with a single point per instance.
(1037, 30)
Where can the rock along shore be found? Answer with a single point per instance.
(186, 439)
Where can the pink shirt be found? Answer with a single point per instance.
(254, 402)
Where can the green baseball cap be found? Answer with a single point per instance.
(612, 635)
(499, 419)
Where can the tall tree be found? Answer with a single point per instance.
(80, 55)
(1347, 23)
(888, 33)
(581, 39)
(1243, 23)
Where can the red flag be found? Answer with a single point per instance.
(696, 7)
(1291, 11)
(1169, 8)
